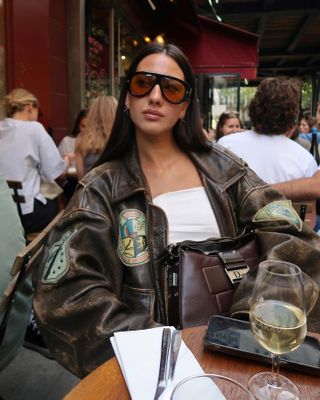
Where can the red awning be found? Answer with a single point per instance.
(219, 48)
(211, 46)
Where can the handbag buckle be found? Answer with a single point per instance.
(234, 265)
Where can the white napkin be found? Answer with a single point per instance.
(138, 353)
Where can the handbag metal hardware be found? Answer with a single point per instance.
(236, 275)
(235, 265)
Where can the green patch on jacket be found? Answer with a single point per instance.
(58, 261)
(278, 211)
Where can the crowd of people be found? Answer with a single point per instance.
(143, 173)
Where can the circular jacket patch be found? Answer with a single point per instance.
(132, 242)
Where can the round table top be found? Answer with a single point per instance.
(106, 382)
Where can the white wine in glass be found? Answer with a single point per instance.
(278, 322)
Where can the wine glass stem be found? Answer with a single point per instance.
(275, 370)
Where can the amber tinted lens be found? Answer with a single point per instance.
(141, 84)
(173, 90)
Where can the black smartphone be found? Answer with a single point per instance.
(234, 337)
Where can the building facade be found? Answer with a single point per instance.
(68, 51)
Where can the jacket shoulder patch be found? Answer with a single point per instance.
(132, 241)
(278, 211)
(57, 264)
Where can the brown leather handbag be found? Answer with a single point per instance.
(199, 278)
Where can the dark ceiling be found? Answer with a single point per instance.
(289, 31)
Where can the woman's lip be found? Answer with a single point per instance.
(153, 114)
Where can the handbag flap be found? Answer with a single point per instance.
(201, 277)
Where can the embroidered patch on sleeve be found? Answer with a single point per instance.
(132, 241)
(58, 262)
(277, 211)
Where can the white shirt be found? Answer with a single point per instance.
(26, 153)
(273, 158)
(67, 145)
(189, 213)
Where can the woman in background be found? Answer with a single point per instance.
(67, 146)
(229, 122)
(93, 138)
(306, 125)
(68, 143)
(27, 153)
(307, 122)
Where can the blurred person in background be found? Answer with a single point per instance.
(27, 153)
(92, 140)
(267, 148)
(307, 123)
(67, 146)
(228, 122)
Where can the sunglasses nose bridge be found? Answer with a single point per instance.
(156, 85)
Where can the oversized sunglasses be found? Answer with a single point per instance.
(173, 89)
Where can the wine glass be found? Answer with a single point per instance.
(278, 321)
(210, 387)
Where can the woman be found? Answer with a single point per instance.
(68, 143)
(306, 125)
(158, 180)
(229, 122)
(28, 153)
(94, 137)
(67, 146)
(307, 122)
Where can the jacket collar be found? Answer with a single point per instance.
(218, 165)
(129, 177)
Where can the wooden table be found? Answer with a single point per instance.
(107, 383)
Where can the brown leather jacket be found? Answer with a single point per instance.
(99, 273)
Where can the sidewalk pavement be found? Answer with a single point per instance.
(31, 376)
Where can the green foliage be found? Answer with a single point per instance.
(306, 95)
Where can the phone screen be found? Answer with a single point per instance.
(235, 337)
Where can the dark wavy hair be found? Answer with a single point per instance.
(188, 135)
(275, 107)
(222, 120)
(76, 127)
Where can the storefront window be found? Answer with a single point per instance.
(97, 49)
(219, 92)
(110, 45)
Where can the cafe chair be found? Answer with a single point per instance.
(49, 190)
(17, 198)
(306, 211)
(16, 302)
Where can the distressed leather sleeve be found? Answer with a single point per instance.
(77, 300)
(281, 236)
